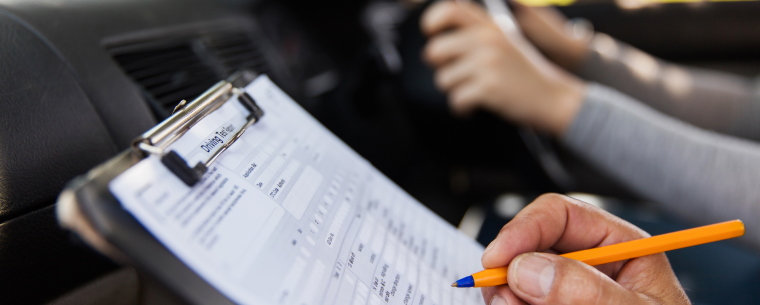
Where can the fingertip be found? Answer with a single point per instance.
(554, 198)
(532, 274)
(444, 15)
(432, 51)
(541, 278)
(487, 259)
(464, 99)
(497, 300)
(436, 16)
(501, 295)
(460, 108)
(488, 293)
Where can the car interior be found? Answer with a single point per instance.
(79, 79)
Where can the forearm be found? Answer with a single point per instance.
(708, 99)
(700, 175)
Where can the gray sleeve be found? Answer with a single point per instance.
(721, 102)
(700, 175)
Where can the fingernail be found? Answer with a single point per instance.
(491, 245)
(535, 275)
(497, 300)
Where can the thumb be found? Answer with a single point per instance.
(541, 278)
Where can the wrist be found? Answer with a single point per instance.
(564, 101)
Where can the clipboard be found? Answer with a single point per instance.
(89, 209)
(328, 227)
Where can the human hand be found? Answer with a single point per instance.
(479, 66)
(548, 30)
(559, 224)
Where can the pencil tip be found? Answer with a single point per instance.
(466, 281)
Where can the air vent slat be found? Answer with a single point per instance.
(177, 67)
(147, 59)
(164, 63)
(147, 75)
(176, 75)
(189, 80)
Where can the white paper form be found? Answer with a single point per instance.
(291, 215)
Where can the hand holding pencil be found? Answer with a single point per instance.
(555, 223)
(622, 251)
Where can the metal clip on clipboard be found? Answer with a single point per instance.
(156, 140)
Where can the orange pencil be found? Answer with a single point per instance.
(624, 250)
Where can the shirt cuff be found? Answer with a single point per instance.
(592, 116)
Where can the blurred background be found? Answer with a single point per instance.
(380, 98)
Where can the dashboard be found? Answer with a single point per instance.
(79, 79)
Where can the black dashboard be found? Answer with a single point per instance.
(79, 79)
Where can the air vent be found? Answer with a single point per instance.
(171, 69)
